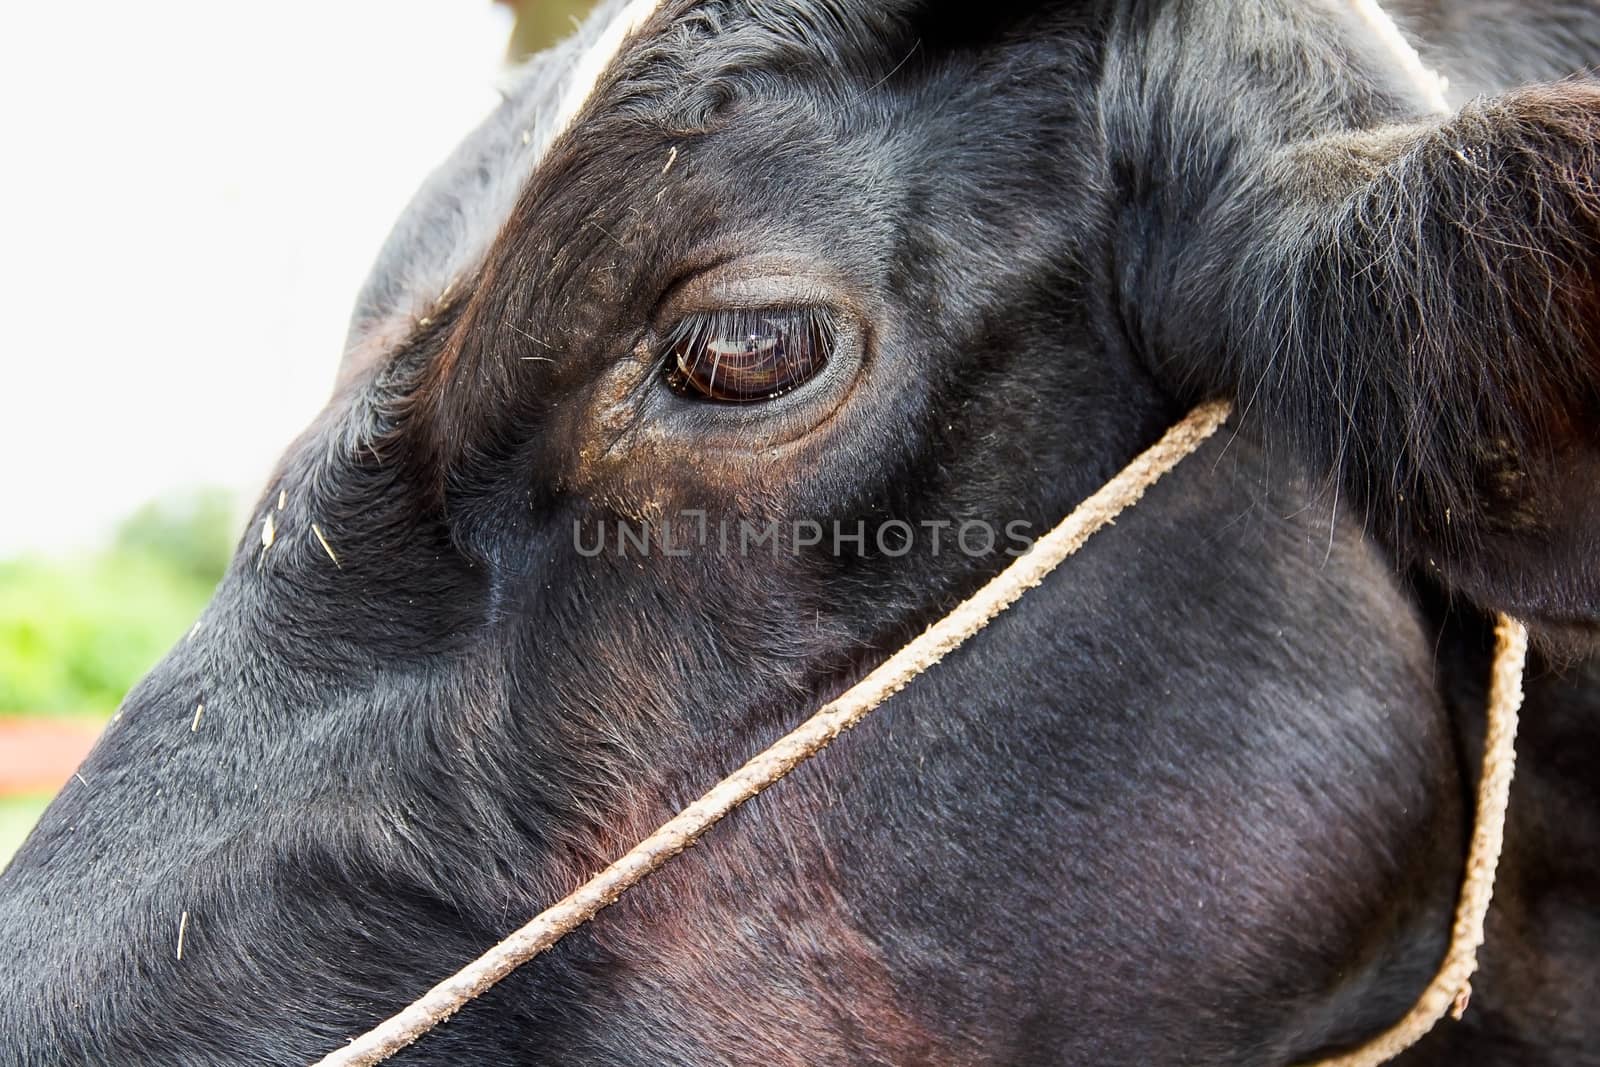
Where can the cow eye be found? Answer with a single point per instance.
(743, 355)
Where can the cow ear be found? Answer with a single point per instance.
(1418, 310)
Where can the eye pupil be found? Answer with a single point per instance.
(742, 356)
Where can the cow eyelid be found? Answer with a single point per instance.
(746, 355)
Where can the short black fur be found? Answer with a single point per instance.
(1201, 798)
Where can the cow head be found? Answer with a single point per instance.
(655, 433)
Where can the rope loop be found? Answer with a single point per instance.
(933, 644)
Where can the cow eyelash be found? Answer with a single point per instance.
(746, 355)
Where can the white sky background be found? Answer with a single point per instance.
(191, 192)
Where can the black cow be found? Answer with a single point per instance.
(851, 274)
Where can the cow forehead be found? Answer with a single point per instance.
(446, 232)
(447, 229)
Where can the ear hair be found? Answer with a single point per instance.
(1418, 316)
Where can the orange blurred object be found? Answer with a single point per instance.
(40, 755)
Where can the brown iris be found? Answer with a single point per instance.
(744, 355)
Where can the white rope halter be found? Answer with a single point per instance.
(972, 615)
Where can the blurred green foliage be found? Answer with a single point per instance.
(541, 23)
(75, 634)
